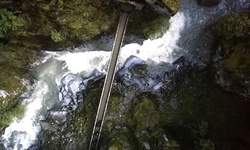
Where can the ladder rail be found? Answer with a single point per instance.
(103, 104)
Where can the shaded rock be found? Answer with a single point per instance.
(232, 25)
(160, 8)
(232, 63)
(173, 5)
(165, 7)
(232, 70)
(134, 74)
(237, 61)
(59, 116)
(208, 3)
(34, 147)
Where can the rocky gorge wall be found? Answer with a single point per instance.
(179, 112)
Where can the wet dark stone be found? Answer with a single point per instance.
(208, 3)
(134, 73)
(59, 116)
(34, 147)
(161, 8)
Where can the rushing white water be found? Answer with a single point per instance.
(185, 27)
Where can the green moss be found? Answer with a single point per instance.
(9, 22)
(83, 121)
(187, 110)
(171, 145)
(14, 61)
(156, 28)
(237, 60)
(88, 22)
(145, 115)
(114, 104)
(232, 25)
(174, 5)
(8, 115)
(77, 21)
(119, 142)
(56, 36)
(150, 26)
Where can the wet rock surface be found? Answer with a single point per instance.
(73, 87)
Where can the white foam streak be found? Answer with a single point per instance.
(86, 62)
(23, 133)
(158, 50)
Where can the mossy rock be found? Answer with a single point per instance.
(232, 25)
(145, 115)
(148, 23)
(238, 58)
(120, 141)
(54, 24)
(14, 62)
(174, 5)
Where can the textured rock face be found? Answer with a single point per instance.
(166, 7)
(233, 35)
(208, 3)
(61, 23)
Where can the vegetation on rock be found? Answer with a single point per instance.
(156, 28)
(10, 22)
(10, 113)
(233, 36)
(145, 115)
(232, 25)
(13, 65)
(56, 36)
(174, 5)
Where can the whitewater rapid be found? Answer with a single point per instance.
(184, 28)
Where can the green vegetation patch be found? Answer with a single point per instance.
(9, 22)
(145, 115)
(232, 25)
(56, 36)
(14, 63)
(156, 28)
(8, 115)
(150, 26)
(174, 5)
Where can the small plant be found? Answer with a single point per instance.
(56, 36)
(9, 22)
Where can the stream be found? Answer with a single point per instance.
(61, 76)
